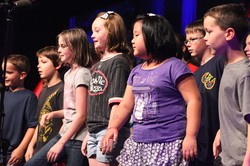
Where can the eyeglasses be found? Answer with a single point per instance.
(192, 41)
(106, 15)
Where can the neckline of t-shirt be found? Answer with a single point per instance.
(153, 68)
(108, 58)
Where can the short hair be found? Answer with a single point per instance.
(196, 26)
(230, 16)
(21, 62)
(117, 32)
(158, 36)
(77, 41)
(51, 53)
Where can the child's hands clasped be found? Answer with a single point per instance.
(108, 140)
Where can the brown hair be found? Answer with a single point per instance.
(230, 16)
(21, 62)
(51, 53)
(77, 41)
(196, 26)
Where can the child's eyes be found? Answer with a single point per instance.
(135, 35)
(63, 45)
(42, 61)
(207, 31)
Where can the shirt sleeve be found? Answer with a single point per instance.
(30, 112)
(120, 73)
(82, 77)
(244, 95)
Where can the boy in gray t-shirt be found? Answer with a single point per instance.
(226, 26)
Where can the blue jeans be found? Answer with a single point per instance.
(71, 153)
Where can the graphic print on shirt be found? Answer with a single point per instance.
(47, 130)
(98, 83)
(208, 80)
(145, 108)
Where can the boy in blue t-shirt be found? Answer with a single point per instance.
(20, 106)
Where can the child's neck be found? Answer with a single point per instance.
(108, 55)
(53, 81)
(234, 52)
(15, 89)
(235, 56)
(152, 65)
(207, 55)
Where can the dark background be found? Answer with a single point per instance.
(38, 25)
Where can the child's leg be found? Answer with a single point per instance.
(40, 157)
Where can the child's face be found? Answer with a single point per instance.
(45, 68)
(99, 34)
(196, 44)
(138, 42)
(215, 36)
(64, 51)
(13, 78)
(247, 48)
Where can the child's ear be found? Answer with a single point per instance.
(230, 33)
(23, 75)
(58, 67)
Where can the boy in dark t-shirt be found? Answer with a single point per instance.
(20, 108)
(207, 77)
(50, 98)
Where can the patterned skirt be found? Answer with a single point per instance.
(151, 154)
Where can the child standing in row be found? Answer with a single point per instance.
(164, 98)
(208, 78)
(226, 26)
(50, 98)
(74, 51)
(107, 85)
(20, 106)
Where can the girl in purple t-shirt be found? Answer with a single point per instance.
(164, 98)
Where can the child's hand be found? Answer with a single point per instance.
(45, 117)
(189, 148)
(16, 156)
(29, 153)
(108, 140)
(84, 145)
(54, 152)
(217, 145)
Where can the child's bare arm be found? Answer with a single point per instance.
(191, 95)
(79, 120)
(18, 154)
(30, 150)
(217, 145)
(246, 161)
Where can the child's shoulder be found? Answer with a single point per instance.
(82, 72)
(120, 57)
(23, 93)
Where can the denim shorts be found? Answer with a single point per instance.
(93, 146)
